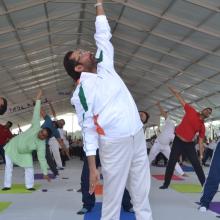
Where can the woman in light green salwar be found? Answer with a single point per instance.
(19, 150)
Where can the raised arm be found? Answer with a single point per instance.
(162, 112)
(52, 110)
(36, 114)
(105, 51)
(177, 95)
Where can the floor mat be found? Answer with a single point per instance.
(19, 188)
(161, 177)
(214, 207)
(187, 188)
(187, 168)
(40, 176)
(95, 214)
(4, 205)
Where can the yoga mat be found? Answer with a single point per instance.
(19, 188)
(187, 168)
(95, 214)
(187, 188)
(161, 177)
(4, 205)
(214, 206)
(99, 189)
(39, 176)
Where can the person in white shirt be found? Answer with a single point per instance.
(209, 149)
(162, 142)
(109, 119)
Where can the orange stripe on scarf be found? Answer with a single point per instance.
(99, 129)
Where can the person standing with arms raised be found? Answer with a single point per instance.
(110, 121)
(191, 124)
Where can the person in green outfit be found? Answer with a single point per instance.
(19, 150)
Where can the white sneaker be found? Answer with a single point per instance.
(202, 209)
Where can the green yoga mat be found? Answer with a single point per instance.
(4, 205)
(187, 188)
(19, 188)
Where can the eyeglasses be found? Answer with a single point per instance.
(80, 52)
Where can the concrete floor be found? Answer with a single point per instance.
(59, 204)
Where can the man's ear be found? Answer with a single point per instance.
(79, 68)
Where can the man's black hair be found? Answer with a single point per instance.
(70, 65)
(3, 108)
(49, 132)
(10, 123)
(147, 116)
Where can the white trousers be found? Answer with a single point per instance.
(125, 164)
(54, 148)
(165, 150)
(29, 174)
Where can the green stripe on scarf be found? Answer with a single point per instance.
(82, 98)
(100, 59)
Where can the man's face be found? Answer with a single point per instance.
(42, 134)
(206, 113)
(84, 58)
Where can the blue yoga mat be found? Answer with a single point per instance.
(95, 214)
(187, 168)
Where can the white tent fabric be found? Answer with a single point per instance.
(157, 43)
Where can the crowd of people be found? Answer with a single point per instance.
(113, 137)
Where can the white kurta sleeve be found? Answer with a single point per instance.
(105, 52)
(83, 102)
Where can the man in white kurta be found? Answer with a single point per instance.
(162, 142)
(109, 119)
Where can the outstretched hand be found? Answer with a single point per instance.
(158, 103)
(39, 94)
(172, 89)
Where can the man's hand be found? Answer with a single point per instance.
(46, 177)
(94, 177)
(158, 103)
(39, 94)
(173, 90)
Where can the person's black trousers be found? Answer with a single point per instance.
(208, 154)
(2, 152)
(89, 200)
(212, 181)
(50, 161)
(188, 149)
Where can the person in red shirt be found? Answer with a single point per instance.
(191, 124)
(5, 136)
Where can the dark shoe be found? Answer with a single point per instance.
(6, 188)
(163, 187)
(131, 210)
(83, 211)
(31, 189)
